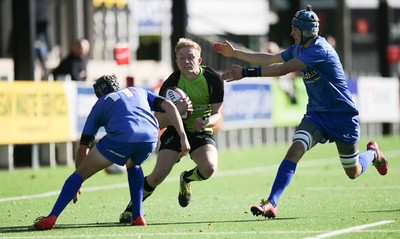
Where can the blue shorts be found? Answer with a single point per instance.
(336, 126)
(120, 152)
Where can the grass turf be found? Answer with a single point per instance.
(320, 200)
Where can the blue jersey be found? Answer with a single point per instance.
(323, 77)
(126, 116)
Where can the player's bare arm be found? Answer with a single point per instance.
(237, 72)
(281, 69)
(82, 151)
(259, 58)
(216, 116)
(183, 105)
(175, 118)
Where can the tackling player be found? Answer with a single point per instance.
(331, 113)
(131, 136)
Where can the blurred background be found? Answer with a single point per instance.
(134, 39)
(367, 33)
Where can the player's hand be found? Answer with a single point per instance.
(185, 147)
(200, 124)
(75, 199)
(234, 74)
(184, 105)
(225, 48)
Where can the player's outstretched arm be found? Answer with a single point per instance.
(259, 58)
(175, 119)
(238, 72)
(224, 48)
(234, 74)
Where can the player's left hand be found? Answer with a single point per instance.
(224, 48)
(200, 124)
(234, 74)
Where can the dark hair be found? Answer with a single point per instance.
(105, 85)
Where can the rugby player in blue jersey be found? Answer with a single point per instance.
(131, 136)
(331, 113)
(206, 93)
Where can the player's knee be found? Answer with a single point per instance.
(304, 138)
(129, 164)
(350, 164)
(208, 171)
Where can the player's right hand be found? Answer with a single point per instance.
(184, 105)
(75, 199)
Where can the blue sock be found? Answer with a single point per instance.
(365, 159)
(283, 177)
(136, 181)
(68, 192)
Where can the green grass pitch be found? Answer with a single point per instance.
(321, 202)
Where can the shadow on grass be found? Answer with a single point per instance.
(380, 211)
(216, 222)
(19, 229)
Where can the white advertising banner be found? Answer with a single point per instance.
(248, 104)
(378, 99)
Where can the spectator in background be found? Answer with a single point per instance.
(331, 40)
(75, 63)
(42, 40)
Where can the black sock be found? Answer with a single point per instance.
(193, 175)
(148, 190)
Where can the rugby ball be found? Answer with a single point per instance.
(174, 94)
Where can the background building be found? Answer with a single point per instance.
(134, 39)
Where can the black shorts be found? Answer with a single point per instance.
(170, 140)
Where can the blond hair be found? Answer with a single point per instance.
(185, 42)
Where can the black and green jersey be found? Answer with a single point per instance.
(206, 89)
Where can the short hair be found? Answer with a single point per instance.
(105, 85)
(185, 42)
(81, 47)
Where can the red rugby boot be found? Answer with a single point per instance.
(44, 223)
(139, 221)
(380, 162)
(266, 209)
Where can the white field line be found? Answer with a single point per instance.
(226, 173)
(349, 230)
(55, 193)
